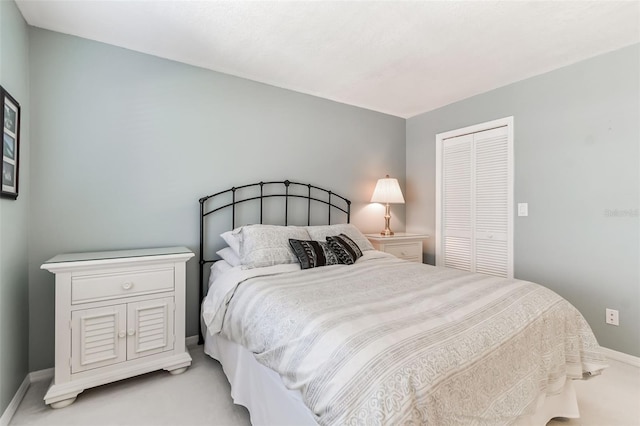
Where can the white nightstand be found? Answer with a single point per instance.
(118, 314)
(403, 245)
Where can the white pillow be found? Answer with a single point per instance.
(267, 245)
(229, 255)
(320, 233)
(232, 239)
(218, 268)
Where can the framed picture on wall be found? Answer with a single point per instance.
(10, 145)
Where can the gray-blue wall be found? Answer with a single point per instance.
(124, 144)
(577, 162)
(14, 286)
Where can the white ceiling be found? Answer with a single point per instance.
(400, 58)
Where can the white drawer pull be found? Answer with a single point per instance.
(131, 332)
(122, 334)
(127, 286)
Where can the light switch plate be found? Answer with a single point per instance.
(523, 209)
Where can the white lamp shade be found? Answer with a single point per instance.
(387, 191)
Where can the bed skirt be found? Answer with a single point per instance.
(269, 402)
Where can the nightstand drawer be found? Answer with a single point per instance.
(402, 245)
(108, 286)
(407, 251)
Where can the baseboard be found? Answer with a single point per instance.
(191, 341)
(15, 402)
(622, 357)
(36, 376)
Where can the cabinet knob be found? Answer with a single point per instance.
(131, 332)
(127, 285)
(122, 334)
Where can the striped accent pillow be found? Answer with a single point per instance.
(345, 249)
(312, 254)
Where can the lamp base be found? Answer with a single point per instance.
(387, 218)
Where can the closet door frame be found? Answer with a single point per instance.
(440, 138)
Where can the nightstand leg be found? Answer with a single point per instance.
(63, 403)
(178, 371)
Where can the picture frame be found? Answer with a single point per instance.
(10, 165)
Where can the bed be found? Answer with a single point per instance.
(314, 326)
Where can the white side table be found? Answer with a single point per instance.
(403, 245)
(118, 314)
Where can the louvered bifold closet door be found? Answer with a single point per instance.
(457, 220)
(98, 337)
(474, 198)
(150, 327)
(492, 202)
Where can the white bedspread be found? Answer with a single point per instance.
(387, 341)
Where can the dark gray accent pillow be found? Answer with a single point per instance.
(345, 248)
(312, 254)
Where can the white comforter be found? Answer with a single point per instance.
(387, 341)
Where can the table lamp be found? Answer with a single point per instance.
(387, 192)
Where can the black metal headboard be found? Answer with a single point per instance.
(259, 193)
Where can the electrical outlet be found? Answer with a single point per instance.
(612, 317)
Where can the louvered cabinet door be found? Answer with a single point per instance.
(150, 327)
(98, 337)
(456, 203)
(492, 202)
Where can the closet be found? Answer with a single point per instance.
(474, 198)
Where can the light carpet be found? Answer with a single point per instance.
(201, 396)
